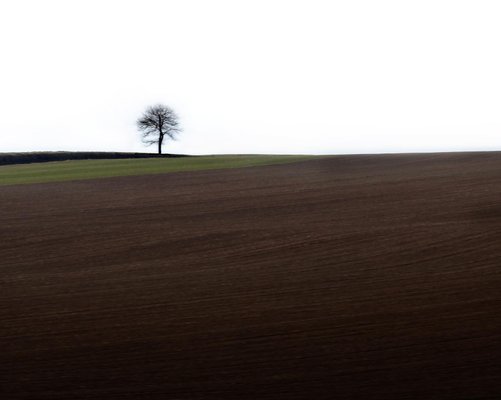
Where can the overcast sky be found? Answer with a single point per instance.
(260, 76)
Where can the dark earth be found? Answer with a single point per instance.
(351, 277)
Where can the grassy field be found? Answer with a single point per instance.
(92, 169)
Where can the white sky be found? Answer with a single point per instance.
(252, 76)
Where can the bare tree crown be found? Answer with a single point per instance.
(158, 122)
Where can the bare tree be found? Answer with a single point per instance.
(157, 123)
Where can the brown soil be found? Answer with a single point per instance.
(367, 277)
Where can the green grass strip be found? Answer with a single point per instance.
(93, 169)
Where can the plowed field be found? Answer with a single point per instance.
(353, 277)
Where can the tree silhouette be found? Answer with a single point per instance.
(158, 123)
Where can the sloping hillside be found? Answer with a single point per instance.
(356, 277)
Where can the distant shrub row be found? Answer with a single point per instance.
(26, 158)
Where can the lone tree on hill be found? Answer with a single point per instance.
(158, 122)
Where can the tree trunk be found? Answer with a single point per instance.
(160, 134)
(160, 140)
